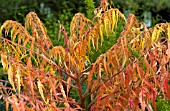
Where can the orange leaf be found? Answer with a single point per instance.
(7, 105)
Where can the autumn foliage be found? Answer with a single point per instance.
(128, 76)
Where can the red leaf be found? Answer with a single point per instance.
(142, 95)
(53, 89)
(153, 97)
(166, 88)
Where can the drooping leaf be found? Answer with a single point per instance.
(40, 88)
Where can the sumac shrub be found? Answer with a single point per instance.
(128, 76)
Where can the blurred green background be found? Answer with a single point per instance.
(51, 11)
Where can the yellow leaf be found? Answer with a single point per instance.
(124, 61)
(168, 32)
(15, 34)
(4, 61)
(101, 33)
(19, 50)
(99, 13)
(88, 59)
(35, 60)
(24, 56)
(113, 20)
(117, 18)
(64, 95)
(40, 88)
(50, 109)
(11, 77)
(106, 25)
(153, 35)
(18, 80)
(93, 43)
(136, 39)
(142, 43)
